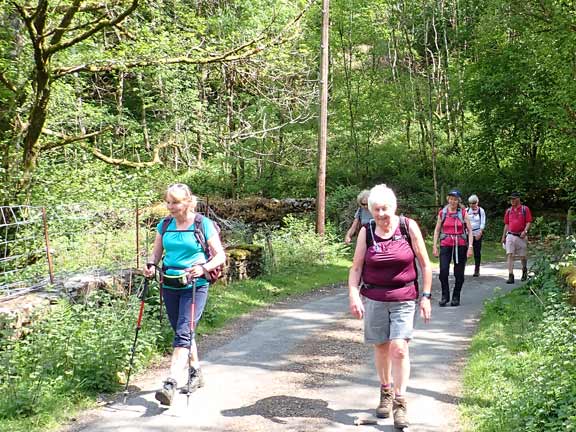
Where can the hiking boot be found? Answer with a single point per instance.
(385, 405)
(195, 378)
(166, 393)
(399, 410)
(476, 271)
(524, 274)
(510, 278)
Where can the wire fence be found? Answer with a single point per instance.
(40, 246)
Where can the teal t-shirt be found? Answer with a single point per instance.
(182, 249)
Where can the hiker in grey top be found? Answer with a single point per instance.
(477, 217)
(361, 217)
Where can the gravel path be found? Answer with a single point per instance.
(301, 366)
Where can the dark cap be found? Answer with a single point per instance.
(514, 195)
(456, 193)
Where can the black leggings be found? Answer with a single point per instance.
(477, 246)
(446, 256)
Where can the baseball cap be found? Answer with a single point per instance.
(514, 195)
(456, 193)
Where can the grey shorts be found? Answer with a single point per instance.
(385, 321)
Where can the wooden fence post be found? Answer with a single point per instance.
(47, 243)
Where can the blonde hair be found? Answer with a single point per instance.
(182, 192)
(382, 194)
(362, 195)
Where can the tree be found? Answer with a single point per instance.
(69, 46)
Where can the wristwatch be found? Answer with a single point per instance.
(427, 295)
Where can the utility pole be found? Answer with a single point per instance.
(323, 123)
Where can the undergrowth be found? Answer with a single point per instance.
(521, 375)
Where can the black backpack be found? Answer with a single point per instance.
(214, 274)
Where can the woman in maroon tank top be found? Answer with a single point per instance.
(383, 290)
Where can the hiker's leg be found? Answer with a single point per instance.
(383, 363)
(477, 246)
(402, 316)
(459, 274)
(510, 252)
(181, 342)
(445, 259)
(400, 355)
(377, 333)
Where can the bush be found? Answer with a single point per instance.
(297, 243)
(74, 350)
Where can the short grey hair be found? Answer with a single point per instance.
(382, 194)
(363, 195)
(473, 198)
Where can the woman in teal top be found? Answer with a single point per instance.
(183, 260)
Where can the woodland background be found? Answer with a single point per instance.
(109, 101)
(104, 103)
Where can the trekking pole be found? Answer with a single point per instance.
(158, 278)
(138, 327)
(192, 330)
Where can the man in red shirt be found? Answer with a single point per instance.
(517, 221)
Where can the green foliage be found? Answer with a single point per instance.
(75, 350)
(521, 375)
(341, 205)
(544, 227)
(297, 244)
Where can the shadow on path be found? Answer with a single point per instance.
(275, 408)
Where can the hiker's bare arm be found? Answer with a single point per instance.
(526, 228)
(217, 253)
(350, 233)
(470, 235)
(154, 257)
(422, 256)
(436, 235)
(356, 306)
(504, 233)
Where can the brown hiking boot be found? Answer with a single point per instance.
(400, 413)
(385, 405)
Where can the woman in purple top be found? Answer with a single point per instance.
(383, 289)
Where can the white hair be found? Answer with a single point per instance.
(382, 194)
(473, 198)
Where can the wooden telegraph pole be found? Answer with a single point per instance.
(323, 126)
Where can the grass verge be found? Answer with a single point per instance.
(521, 374)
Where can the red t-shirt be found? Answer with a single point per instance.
(453, 228)
(516, 219)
